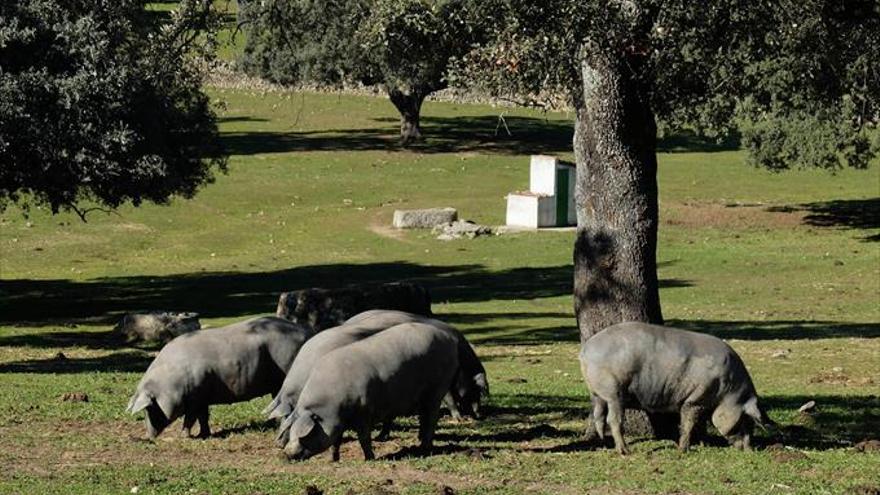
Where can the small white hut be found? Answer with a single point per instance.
(549, 202)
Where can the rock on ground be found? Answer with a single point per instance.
(325, 308)
(460, 228)
(424, 219)
(157, 326)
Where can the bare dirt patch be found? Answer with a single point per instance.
(47, 449)
(695, 214)
(380, 226)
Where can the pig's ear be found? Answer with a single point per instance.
(305, 424)
(482, 384)
(271, 407)
(725, 418)
(753, 410)
(139, 402)
(280, 411)
(166, 403)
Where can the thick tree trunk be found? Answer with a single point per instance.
(410, 107)
(615, 144)
(615, 267)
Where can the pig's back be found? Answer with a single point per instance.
(237, 361)
(387, 372)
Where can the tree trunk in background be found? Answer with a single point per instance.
(615, 143)
(615, 266)
(410, 107)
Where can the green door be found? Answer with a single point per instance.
(561, 196)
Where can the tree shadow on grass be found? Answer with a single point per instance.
(860, 214)
(779, 329)
(688, 142)
(240, 118)
(513, 135)
(528, 135)
(38, 303)
(524, 335)
(72, 338)
(839, 422)
(118, 362)
(103, 301)
(415, 452)
(260, 425)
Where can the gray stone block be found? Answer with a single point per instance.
(424, 219)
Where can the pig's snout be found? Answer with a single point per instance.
(296, 452)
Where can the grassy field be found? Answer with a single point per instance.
(785, 267)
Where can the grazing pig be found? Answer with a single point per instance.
(402, 370)
(219, 366)
(470, 386)
(312, 352)
(660, 369)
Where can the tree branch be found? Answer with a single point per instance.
(82, 213)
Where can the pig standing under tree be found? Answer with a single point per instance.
(661, 369)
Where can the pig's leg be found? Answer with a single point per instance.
(204, 427)
(188, 421)
(152, 430)
(745, 438)
(336, 445)
(156, 421)
(690, 417)
(385, 433)
(615, 421)
(366, 440)
(600, 409)
(449, 402)
(427, 424)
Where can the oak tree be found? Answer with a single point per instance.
(797, 80)
(101, 103)
(402, 46)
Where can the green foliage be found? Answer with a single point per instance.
(101, 102)
(798, 80)
(403, 45)
(291, 41)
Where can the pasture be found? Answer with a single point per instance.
(785, 267)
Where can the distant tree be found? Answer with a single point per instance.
(403, 46)
(799, 80)
(101, 103)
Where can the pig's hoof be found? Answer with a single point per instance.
(623, 451)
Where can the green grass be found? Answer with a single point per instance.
(772, 262)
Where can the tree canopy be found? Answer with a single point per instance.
(101, 103)
(402, 46)
(797, 80)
